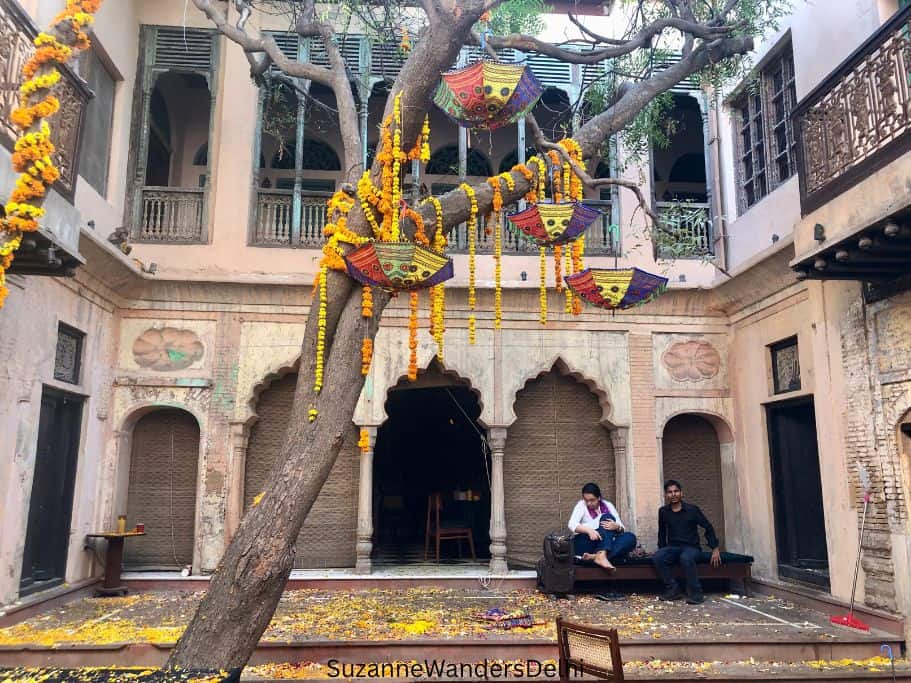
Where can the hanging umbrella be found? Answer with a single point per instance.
(398, 265)
(549, 224)
(488, 95)
(616, 288)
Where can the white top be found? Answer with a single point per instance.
(581, 516)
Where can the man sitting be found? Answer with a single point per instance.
(678, 541)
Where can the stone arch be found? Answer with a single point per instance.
(445, 161)
(159, 484)
(559, 441)
(719, 422)
(559, 364)
(691, 453)
(329, 535)
(430, 376)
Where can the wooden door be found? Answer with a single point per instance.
(800, 527)
(51, 502)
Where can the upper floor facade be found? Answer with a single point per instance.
(213, 176)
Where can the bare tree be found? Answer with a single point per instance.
(246, 587)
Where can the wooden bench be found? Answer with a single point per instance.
(734, 567)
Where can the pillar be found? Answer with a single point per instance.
(365, 506)
(497, 439)
(237, 465)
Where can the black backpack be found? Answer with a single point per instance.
(556, 571)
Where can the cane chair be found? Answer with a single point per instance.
(589, 650)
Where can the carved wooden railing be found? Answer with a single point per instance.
(600, 240)
(16, 34)
(171, 214)
(690, 228)
(274, 219)
(859, 118)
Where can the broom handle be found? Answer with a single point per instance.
(860, 540)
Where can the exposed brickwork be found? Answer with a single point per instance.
(692, 456)
(329, 535)
(872, 416)
(162, 492)
(554, 447)
(644, 444)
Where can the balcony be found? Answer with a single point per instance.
(54, 248)
(275, 225)
(859, 118)
(171, 215)
(687, 230)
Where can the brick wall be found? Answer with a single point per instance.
(555, 446)
(871, 417)
(162, 489)
(692, 456)
(329, 535)
(643, 443)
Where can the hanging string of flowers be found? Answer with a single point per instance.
(396, 164)
(568, 308)
(32, 158)
(321, 330)
(497, 250)
(542, 315)
(558, 275)
(472, 248)
(363, 441)
(367, 343)
(413, 336)
(574, 183)
(438, 292)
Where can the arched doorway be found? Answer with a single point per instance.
(162, 489)
(691, 454)
(328, 537)
(431, 443)
(556, 445)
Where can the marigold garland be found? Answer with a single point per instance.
(558, 275)
(567, 292)
(472, 248)
(33, 149)
(413, 336)
(321, 330)
(363, 441)
(366, 355)
(438, 293)
(397, 155)
(542, 316)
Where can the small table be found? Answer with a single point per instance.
(113, 562)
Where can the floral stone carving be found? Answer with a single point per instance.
(692, 361)
(167, 349)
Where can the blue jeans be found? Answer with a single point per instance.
(686, 555)
(617, 546)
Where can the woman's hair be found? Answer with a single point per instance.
(592, 488)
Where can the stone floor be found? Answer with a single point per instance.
(428, 613)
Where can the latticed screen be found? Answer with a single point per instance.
(785, 366)
(765, 138)
(68, 359)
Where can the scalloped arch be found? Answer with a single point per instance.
(279, 370)
(439, 369)
(558, 364)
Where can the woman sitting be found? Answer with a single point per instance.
(600, 534)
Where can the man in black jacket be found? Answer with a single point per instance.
(678, 541)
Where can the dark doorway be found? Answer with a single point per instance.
(800, 527)
(51, 502)
(431, 443)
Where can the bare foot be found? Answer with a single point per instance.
(588, 557)
(602, 561)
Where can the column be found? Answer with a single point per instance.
(497, 440)
(237, 465)
(365, 506)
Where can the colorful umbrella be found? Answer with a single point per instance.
(616, 288)
(548, 224)
(398, 265)
(488, 95)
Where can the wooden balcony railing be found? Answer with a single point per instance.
(687, 230)
(17, 31)
(171, 215)
(274, 220)
(859, 118)
(600, 240)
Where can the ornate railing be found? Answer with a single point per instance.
(686, 230)
(859, 118)
(274, 220)
(600, 240)
(16, 34)
(171, 214)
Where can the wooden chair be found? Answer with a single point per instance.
(443, 530)
(588, 650)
